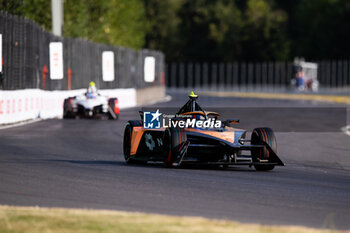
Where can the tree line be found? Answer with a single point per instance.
(206, 30)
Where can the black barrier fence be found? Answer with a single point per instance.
(25, 52)
(252, 75)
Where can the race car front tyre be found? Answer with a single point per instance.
(127, 142)
(173, 140)
(261, 155)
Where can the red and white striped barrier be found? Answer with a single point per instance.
(21, 105)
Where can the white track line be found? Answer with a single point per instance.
(20, 124)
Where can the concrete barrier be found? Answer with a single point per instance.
(150, 95)
(29, 104)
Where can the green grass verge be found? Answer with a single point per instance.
(52, 220)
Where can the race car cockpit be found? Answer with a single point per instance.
(191, 105)
(193, 108)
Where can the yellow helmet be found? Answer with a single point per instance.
(193, 95)
(92, 83)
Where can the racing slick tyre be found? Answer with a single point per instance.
(173, 139)
(67, 108)
(113, 113)
(260, 135)
(127, 142)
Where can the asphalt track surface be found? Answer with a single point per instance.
(79, 164)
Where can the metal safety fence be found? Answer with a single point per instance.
(26, 60)
(256, 75)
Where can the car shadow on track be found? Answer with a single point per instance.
(153, 165)
(89, 162)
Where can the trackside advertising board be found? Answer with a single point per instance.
(56, 60)
(108, 66)
(0, 52)
(149, 69)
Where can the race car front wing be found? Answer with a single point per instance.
(231, 160)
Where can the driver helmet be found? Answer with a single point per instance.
(193, 96)
(92, 90)
(92, 87)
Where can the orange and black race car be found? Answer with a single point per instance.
(195, 136)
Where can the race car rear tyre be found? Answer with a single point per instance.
(110, 117)
(127, 142)
(68, 115)
(173, 138)
(260, 135)
(67, 109)
(113, 106)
